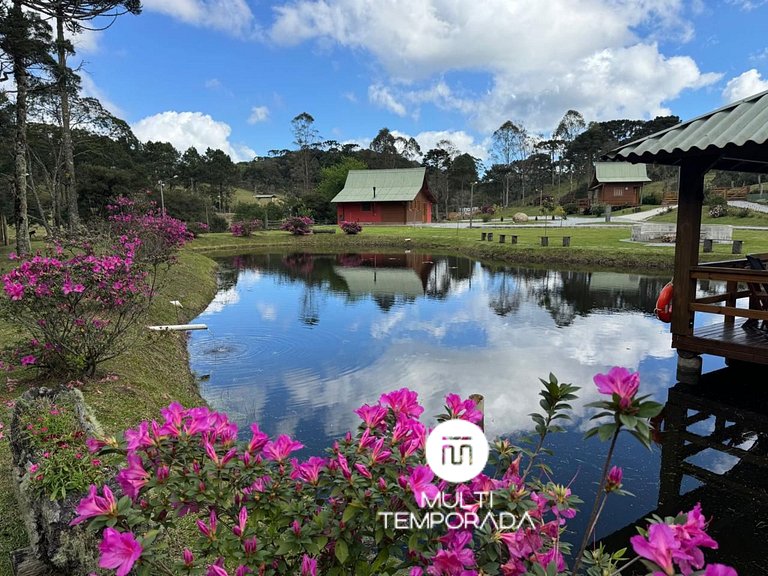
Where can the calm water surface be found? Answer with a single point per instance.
(296, 342)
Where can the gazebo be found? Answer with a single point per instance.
(734, 138)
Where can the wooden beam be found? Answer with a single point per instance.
(690, 202)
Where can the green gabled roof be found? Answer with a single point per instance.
(395, 185)
(734, 137)
(606, 172)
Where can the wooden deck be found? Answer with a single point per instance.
(728, 341)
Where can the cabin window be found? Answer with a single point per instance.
(365, 206)
(618, 191)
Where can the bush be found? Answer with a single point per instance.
(651, 200)
(257, 510)
(713, 199)
(718, 211)
(298, 225)
(571, 208)
(597, 210)
(244, 229)
(743, 213)
(351, 227)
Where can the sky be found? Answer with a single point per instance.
(232, 74)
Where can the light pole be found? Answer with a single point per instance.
(471, 201)
(162, 198)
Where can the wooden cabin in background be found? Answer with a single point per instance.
(397, 196)
(618, 184)
(732, 138)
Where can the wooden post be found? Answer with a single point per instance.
(566, 240)
(737, 244)
(479, 405)
(483, 236)
(502, 238)
(513, 239)
(545, 240)
(4, 231)
(690, 201)
(490, 236)
(707, 245)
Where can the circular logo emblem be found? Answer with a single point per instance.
(457, 450)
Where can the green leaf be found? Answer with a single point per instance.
(605, 431)
(649, 409)
(349, 513)
(342, 551)
(628, 420)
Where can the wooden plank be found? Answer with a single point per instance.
(725, 297)
(730, 311)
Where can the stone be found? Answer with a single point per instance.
(520, 217)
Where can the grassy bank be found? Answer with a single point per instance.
(604, 247)
(133, 387)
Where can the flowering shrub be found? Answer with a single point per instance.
(718, 211)
(156, 237)
(244, 228)
(197, 228)
(77, 305)
(298, 225)
(258, 510)
(61, 463)
(74, 310)
(351, 227)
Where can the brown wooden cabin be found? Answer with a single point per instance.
(733, 138)
(618, 183)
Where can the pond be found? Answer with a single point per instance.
(297, 341)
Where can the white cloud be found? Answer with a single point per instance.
(91, 90)
(185, 129)
(258, 114)
(213, 84)
(464, 143)
(747, 5)
(541, 58)
(231, 16)
(382, 97)
(744, 85)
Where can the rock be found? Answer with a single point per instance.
(520, 217)
(68, 550)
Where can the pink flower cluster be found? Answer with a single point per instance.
(678, 545)
(244, 228)
(298, 225)
(350, 227)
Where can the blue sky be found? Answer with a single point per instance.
(231, 74)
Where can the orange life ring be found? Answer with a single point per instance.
(663, 308)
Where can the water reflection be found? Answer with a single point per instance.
(298, 341)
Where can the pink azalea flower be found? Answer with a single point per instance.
(363, 470)
(133, 478)
(373, 416)
(658, 548)
(463, 409)
(95, 505)
(613, 481)
(189, 558)
(29, 360)
(719, 570)
(419, 483)
(243, 570)
(621, 382)
(119, 551)
(308, 566)
(403, 401)
(281, 448)
(258, 439)
(309, 471)
(242, 519)
(215, 570)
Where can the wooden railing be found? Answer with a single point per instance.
(740, 282)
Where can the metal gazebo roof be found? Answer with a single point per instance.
(734, 137)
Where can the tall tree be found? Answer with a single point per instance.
(571, 125)
(24, 42)
(306, 138)
(510, 143)
(75, 16)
